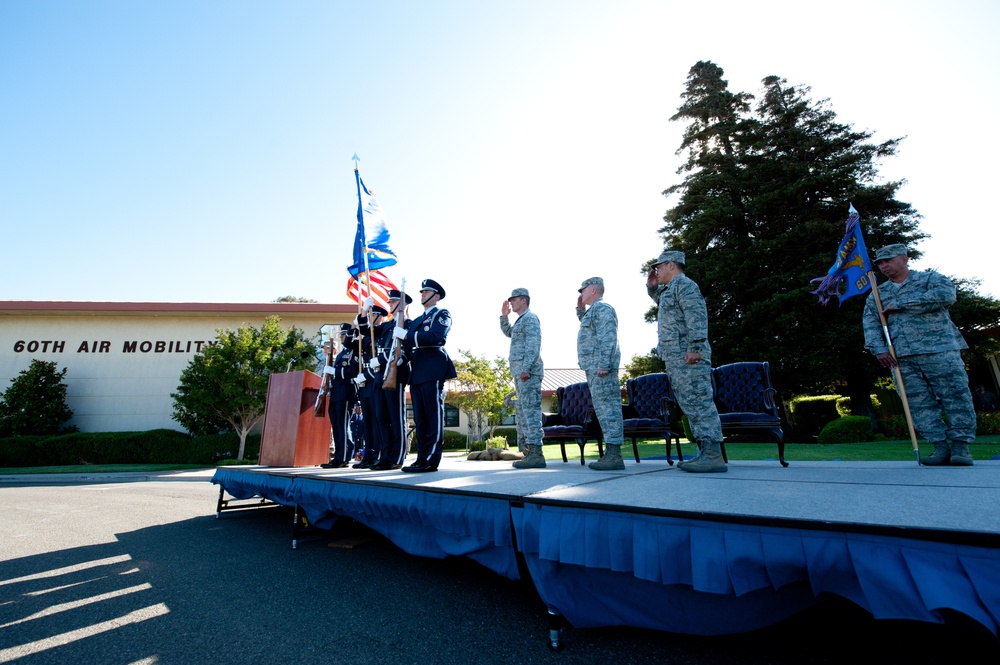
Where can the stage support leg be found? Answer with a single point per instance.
(299, 524)
(219, 506)
(556, 626)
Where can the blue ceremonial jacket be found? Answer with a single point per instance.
(424, 347)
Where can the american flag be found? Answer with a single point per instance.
(380, 285)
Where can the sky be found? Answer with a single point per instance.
(193, 151)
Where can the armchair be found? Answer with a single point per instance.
(575, 421)
(747, 404)
(651, 411)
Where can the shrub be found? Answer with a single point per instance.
(454, 440)
(844, 406)
(849, 429)
(894, 427)
(35, 401)
(987, 422)
(810, 413)
(509, 433)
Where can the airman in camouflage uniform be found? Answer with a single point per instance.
(684, 347)
(928, 353)
(599, 356)
(526, 367)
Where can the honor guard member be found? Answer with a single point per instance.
(928, 353)
(599, 356)
(430, 367)
(390, 406)
(370, 386)
(527, 369)
(342, 396)
(357, 430)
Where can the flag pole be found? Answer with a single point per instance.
(368, 277)
(897, 375)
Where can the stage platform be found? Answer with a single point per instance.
(654, 547)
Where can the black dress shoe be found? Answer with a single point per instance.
(362, 465)
(383, 466)
(419, 467)
(333, 465)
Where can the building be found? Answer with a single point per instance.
(124, 359)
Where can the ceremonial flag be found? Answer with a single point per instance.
(851, 266)
(380, 286)
(371, 241)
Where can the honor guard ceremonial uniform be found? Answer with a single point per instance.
(390, 404)
(369, 387)
(430, 367)
(342, 395)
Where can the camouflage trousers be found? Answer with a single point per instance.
(606, 394)
(528, 410)
(692, 386)
(937, 382)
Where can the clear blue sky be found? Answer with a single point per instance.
(201, 151)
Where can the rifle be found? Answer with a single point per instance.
(389, 377)
(319, 409)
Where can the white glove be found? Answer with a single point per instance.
(360, 380)
(374, 365)
(369, 303)
(330, 369)
(399, 333)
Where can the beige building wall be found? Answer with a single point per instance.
(124, 359)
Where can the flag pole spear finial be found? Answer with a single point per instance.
(356, 159)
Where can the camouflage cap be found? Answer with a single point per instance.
(669, 255)
(597, 281)
(519, 293)
(890, 251)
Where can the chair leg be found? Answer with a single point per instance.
(781, 449)
(722, 447)
(635, 449)
(680, 455)
(582, 444)
(562, 448)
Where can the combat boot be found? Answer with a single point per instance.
(611, 461)
(709, 461)
(533, 459)
(960, 455)
(682, 462)
(940, 456)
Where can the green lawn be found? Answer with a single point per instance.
(884, 451)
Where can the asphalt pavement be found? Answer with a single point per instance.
(121, 570)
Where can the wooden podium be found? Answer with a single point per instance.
(292, 435)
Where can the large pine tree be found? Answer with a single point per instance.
(761, 210)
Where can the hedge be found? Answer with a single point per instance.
(160, 446)
(810, 413)
(848, 429)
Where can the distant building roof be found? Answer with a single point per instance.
(67, 307)
(559, 378)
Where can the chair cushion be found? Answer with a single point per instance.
(747, 419)
(644, 425)
(563, 432)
